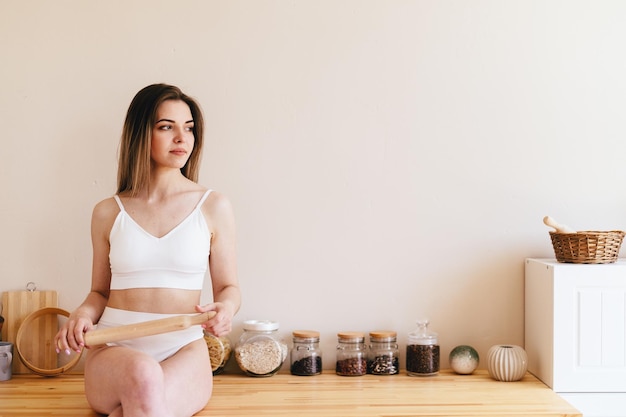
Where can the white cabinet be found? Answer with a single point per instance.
(575, 332)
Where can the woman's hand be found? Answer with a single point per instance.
(222, 323)
(70, 336)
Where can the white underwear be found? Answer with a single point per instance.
(159, 346)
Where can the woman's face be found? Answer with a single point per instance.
(172, 135)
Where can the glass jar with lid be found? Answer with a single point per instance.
(382, 356)
(351, 354)
(306, 357)
(422, 351)
(219, 351)
(259, 351)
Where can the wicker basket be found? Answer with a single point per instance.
(587, 247)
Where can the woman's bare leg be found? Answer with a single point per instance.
(117, 376)
(122, 381)
(188, 379)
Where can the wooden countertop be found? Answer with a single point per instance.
(326, 395)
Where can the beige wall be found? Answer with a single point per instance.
(386, 159)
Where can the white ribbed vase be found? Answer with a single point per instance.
(507, 362)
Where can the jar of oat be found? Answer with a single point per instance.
(306, 357)
(382, 356)
(219, 351)
(422, 351)
(351, 354)
(259, 351)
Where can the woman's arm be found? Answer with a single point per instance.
(222, 264)
(70, 336)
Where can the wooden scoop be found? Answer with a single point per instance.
(148, 328)
(560, 228)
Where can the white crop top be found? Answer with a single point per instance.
(177, 260)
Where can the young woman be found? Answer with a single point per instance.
(153, 243)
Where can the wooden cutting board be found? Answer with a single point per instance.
(16, 306)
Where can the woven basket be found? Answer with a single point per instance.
(587, 247)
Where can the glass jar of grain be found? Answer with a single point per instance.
(382, 358)
(219, 351)
(422, 351)
(351, 354)
(259, 351)
(306, 357)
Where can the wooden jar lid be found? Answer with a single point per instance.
(306, 334)
(383, 334)
(352, 336)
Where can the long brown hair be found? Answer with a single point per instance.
(133, 172)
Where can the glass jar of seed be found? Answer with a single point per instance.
(422, 351)
(219, 351)
(259, 351)
(382, 358)
(351, 354)
(306, 357)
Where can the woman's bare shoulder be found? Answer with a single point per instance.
(217, 201)
(105, 210)
(217, 207)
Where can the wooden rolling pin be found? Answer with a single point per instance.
(560, 228)
(147, 328)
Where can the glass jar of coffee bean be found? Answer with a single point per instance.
(351, 354)
(259, 351)
(422, 351)
(306, 357)
(382, 356)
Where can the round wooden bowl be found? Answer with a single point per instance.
(21, 342)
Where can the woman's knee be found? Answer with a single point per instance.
(143, 375)
(116, 377)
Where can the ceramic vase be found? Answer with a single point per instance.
(463, 359)
(507, 362)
